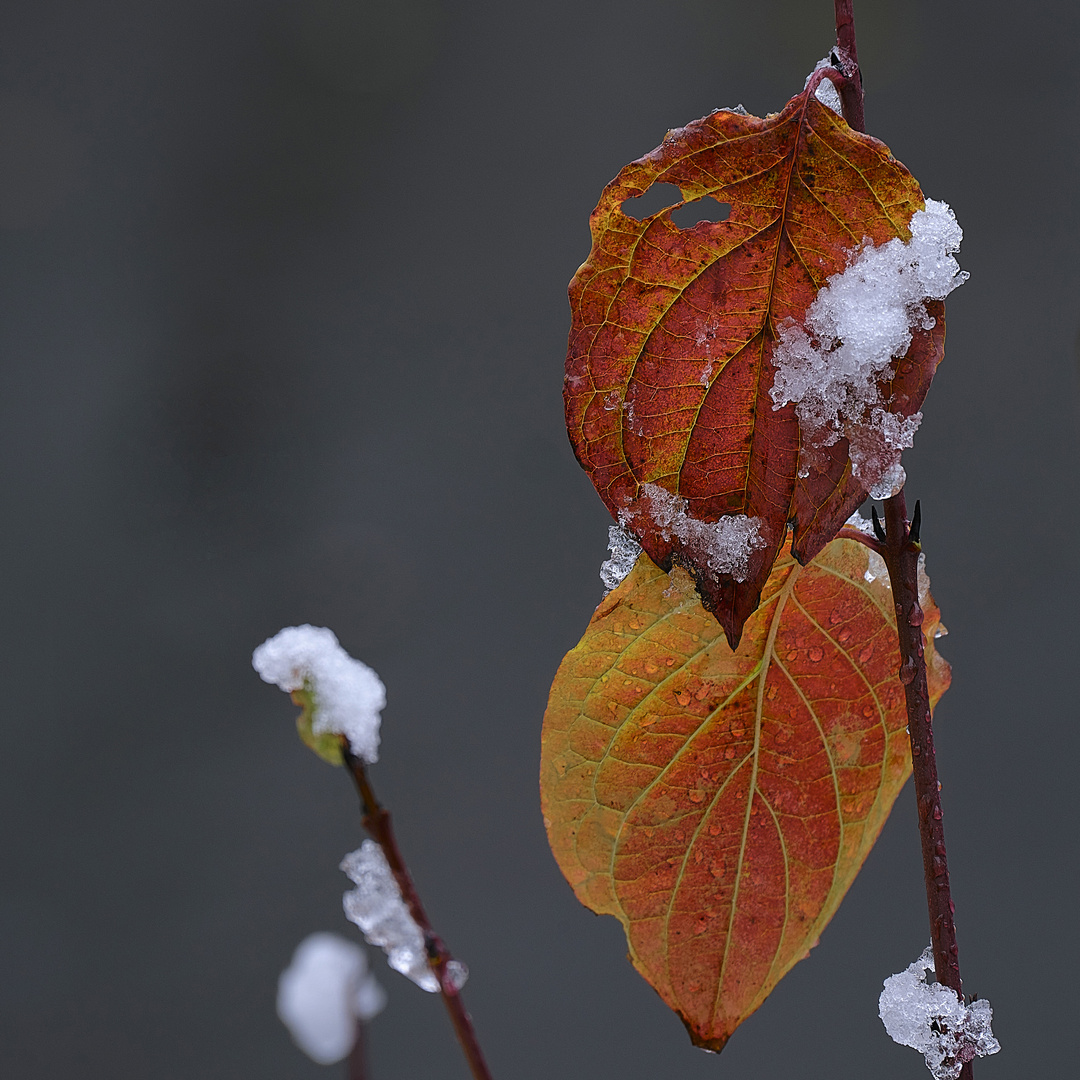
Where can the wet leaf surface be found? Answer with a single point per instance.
(719, 803)
(668, 369)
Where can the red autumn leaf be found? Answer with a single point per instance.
(669, 365)
(719, 803)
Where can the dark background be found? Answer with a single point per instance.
(284, 317)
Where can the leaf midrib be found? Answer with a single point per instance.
(766, 659)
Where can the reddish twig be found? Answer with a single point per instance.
(851, 88)
(900, 549)
(357, 1062)
(377, 822)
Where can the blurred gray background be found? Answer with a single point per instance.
(284, 318)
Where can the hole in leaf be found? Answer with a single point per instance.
(658, 197)
(706, 209)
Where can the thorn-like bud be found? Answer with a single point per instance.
(916, 523)
(879, 530)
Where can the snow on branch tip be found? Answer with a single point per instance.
(347, 696)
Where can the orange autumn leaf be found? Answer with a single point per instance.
(669, 365)
(719, 803)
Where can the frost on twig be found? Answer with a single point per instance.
(624, 554)
(322, 994)
(376, 906)
(347, 697)
(930, 1018)
(861, 321)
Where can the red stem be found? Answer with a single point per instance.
(357, 1061)
(901, 553)
(851, 89)
(377, 822)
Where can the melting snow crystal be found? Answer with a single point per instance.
(376, 906)
(348, 695)
(624, 554)
(857, 521)
(930, 1018)
(923, 580)
(727, 544)
(859, 322)
(323, 992)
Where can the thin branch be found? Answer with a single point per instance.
(901, 556)
(377, 822)
(900, 550)
(851, 89)
(357, 1061)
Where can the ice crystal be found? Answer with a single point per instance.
(624, 554)
(931, 1018)
(376, 906)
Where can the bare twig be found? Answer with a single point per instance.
(377, 822)
(900, 548)
(901, 554)
(357, 1062)
(851, 89)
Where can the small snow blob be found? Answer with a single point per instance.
(323, 993)
(348, 696)
(930, 1018)
(376, 906)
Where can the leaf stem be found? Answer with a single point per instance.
(901, 554)
(377, 822)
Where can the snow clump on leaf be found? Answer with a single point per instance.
(858, 324)
(347, 696)
(725, 545)
(376, 906)
(931, 1018)
(323, 992)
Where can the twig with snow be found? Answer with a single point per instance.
(374, 903)
(899, 544)
(930, 1018)
(342, 701)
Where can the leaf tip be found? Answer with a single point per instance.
(710, 1045)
